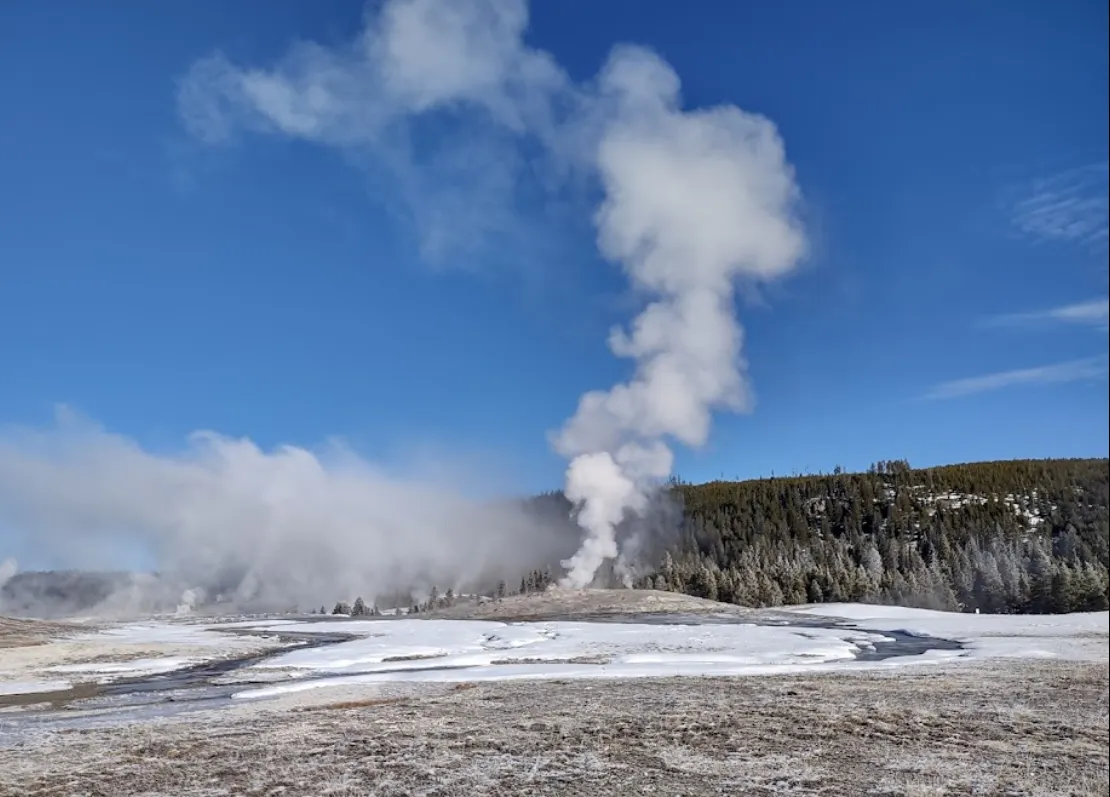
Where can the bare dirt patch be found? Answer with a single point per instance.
(412, 657)
(54, 699)
(569, 603)
(16, 633)
(349, 704)
(1000, 728)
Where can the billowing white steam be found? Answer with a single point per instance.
(692, 202)
(224, 519)
(8, 568)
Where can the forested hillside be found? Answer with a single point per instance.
(1015, 536)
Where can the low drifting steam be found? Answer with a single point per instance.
(8, 568)
(226, 521)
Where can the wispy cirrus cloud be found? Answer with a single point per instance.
(1056, 373)
(1070, 206)
(1093, 312)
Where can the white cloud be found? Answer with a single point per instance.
(1069, 371)
(1094, 312)
(432, 97)
(415, 57)
(1070, 206)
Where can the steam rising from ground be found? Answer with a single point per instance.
(8, 568)
(226, 520)
(691, 202)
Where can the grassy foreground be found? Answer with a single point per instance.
(997, 728)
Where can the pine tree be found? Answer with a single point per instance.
(1063, 598)
(1040, 578)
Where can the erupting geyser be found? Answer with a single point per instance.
(694, 202)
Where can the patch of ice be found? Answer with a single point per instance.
(32, 687)
(152, 666)
(1066, 636)
(251, 623)
(172, 633)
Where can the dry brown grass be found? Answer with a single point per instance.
(412, 657)
(349, 704)
(568, 603)
(997, 729)
(56, 698)
(16, 633)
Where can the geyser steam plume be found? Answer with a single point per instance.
(693, 202)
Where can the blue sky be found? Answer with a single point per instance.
(952, 307)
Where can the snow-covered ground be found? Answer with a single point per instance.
(125, 651)
(477, 650)
(986, 722)
(32, 687)
(423, 650)
(1078, 637)
(460, 650)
